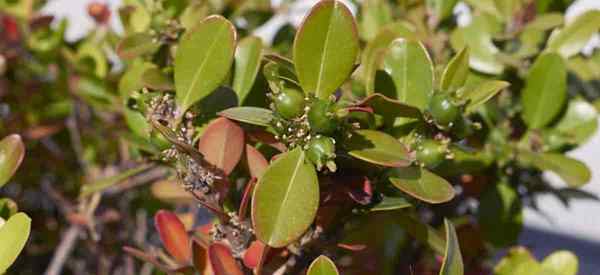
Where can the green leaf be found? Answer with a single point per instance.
(203, 60)
(378, 148)
(391, 203)
(519, 261)
(478, 94)
(442, 8)
(247, 64)
(251, 115)
(132, 78)
(482, 50)
(102, 184)
(12, 152)
(574, 36)
(507, 8)
(322, 265)
(135, 45)
(545, 90)
(579, 123)
(325, 48)
(453, 263)
(374, 15)
(456, 73)
(13, 237)
(373, 52)
(285, 200)
(561, 262)
(389, 109)
(411, 69)
(155, 79)
(500, 215)
(574, 172)
(8, 208)
(422, 184)
(137, 123)
(422, 232)
(91, 52)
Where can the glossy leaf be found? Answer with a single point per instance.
(579, 122)
(247, 64)
(222, 260)
(411, 69)
(322, 265)
(13, 237)
(391, 203)
(102, 184)
(222, 144)
(251, 115)
(378, 148)
(155, 79)
(561, 262)
(422, 184)
(285, 200)
(456, 72)
(482, 50)
(500, 215)
(12, 151)
(173, 236)
(254, 254)
(325, 48)
(574, 36)
(203, 60)
(373, 52)
(257, 164)
(574, 172)
(545, 90)
(136, 45)
(519, 261)
(374, 15)
(478, 94)
(453, 262)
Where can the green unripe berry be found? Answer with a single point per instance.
(321, 117)
(289, 103)
(443, 110)
(431, 153)
(321, 151)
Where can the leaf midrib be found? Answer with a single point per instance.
(325, 46)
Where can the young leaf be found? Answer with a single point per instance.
(545, 90)
(247, 64)
(173, 236)
(480, 93)
(203, 59)
(574, 172)
(500, 215)
(13, 237)
(135, 45)
(12, 152)
(455, 74)
(251, 115)
(325, 48)
(222, 144)
(574, 36)
(378, 148)
(422, 184)
(322, 265)
(285, 200)
(453, 263)
(561, 262)
(411, 69)
(222, 261)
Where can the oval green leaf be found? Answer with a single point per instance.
(377, 148)
(13, 237)
(285, 200)
(203, 60)
(561, 262)
(545, 90)
(519, 261)
(325, 48)
(422, 184)
(322, 265)
(574, 36)
(135, 45)
(247, 64)
(155, 79)
(391, 203)
(574, 172)
(251, 115)
(12, 152)
(455, 74)
(579, 122)
(478, 94)
(411, 69)
(453, 263)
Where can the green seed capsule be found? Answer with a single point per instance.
(321, 151)
(321, 117)
(289, 103)
(443, 111)
(431, 153)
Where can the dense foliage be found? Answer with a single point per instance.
(391, 140)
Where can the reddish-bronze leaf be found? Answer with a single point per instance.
(173, 235)
(257, 163)
(200, 257)
(222, 144)
(267, 138)
(246, 198)
(254, 254)
(222, 261)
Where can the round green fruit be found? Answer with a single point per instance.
(321, 117)
(443, 110)
(431, 153)
(289, 103)
(321, 151)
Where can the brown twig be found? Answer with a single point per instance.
(64, 250)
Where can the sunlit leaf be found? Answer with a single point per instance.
(456, 72)
(222, 144)
(476, 95)
(422, 184)
(442, 9)
(574, 172)
(222, 260)
(173, 235)
(519, 261)
(378, 148)
(247, 64)
(13, 237)
(575, 35)
(453, 262)
(482, 50)
(12, 151)
(579, 123)
(374, 15)
(251, 115)
(561, 262)
(135, 45)
(322, 265)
